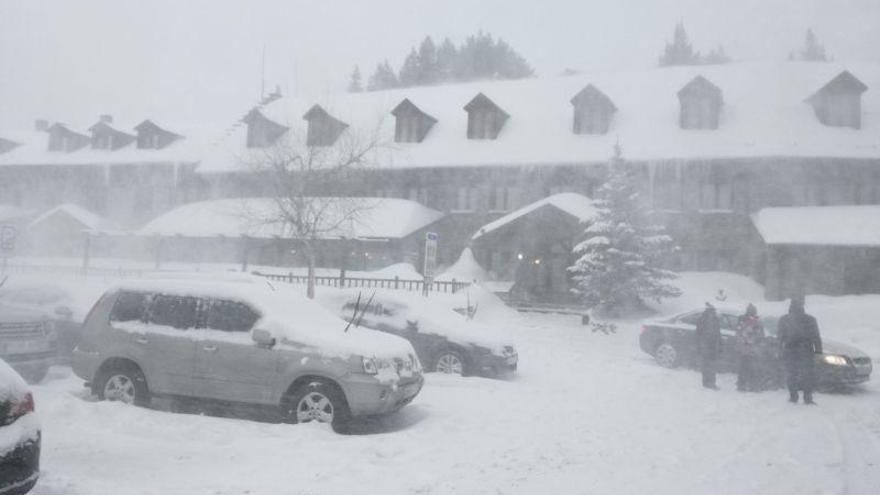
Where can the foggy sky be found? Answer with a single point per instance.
(199, 60)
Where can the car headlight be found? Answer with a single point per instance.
(835, 360)
(370, 367)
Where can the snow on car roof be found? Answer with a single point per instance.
(820, 225)
(764, 114)
(288, 315)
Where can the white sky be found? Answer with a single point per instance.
(199, 60)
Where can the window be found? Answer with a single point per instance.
(466, 199)
(154, 141)
(231, 316)
(408, 129)
(499, 198)
(173, 311)
(130, 306)
(482, 124)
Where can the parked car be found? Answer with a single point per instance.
(55, 303)
(242, 344)
(672, 343)
(444, 339)
(28, 341)
(19, 434)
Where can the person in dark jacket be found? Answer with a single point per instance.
(799, 342)
(749, 337)
(708, 344)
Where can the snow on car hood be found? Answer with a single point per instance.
(832, 347)
(431, 316)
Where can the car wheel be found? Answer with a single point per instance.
(667, 355)
(317, 401)
(125, 384)
(35, 376)
(449, 362)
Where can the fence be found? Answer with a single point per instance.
(376, 283)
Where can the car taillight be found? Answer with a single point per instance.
(644, 329)
(21, 407)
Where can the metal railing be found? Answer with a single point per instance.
(395, 283)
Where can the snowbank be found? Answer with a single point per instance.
(465, 269)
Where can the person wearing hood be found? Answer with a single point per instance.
(799, 342)
(749, 337)
(708, 344)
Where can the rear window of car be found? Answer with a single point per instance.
(230, 316)
(178, 312)
(130, 306)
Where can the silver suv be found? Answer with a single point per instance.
(244, 344)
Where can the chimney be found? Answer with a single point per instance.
(106, 118)
(41, 125)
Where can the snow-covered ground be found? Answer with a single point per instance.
(587, 413)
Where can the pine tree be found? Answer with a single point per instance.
(354, 83)
(717, 56)
(428, 72)
(446, 57)
(813, 51)
(680, 51)
(383, 78)
(618, 265)
(409, 71)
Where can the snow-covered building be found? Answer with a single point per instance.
(714, 144)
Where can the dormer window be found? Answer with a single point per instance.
(261, 132)
(839, 103)
(701, 103)
(323, 129)
(411, 124)
(151, 136)
(593, 111)
(63, 139)
(485, 118)
(106, 137)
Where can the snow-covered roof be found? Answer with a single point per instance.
(376, 218)
(576, 205)
(89, 220)
(764, 114)
(820, 225)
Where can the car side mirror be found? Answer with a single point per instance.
(63, 313)
(412, 325)
(263, 338)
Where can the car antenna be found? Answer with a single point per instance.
(3, 282)
(270, 285)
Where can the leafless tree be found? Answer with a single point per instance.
(312, 189)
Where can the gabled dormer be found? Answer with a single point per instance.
(7, 145)
(152, 137)
(411, 123)
(324, 129)
(839, 103)
(701, 103)
(261, 131)
(107, 137)
(63, 139)
(485, 118)
(593, 111)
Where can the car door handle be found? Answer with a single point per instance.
(141, 340)
(210, 348)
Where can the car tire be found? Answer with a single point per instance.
(318, 400)
(667, 355)
(124, 383)
(35, 376)
(450, 362)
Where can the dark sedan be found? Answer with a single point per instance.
(19, 435)
(672, 343)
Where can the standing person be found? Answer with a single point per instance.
(749, 336)
(708, 344)
(799, 342)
